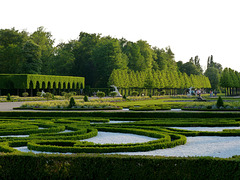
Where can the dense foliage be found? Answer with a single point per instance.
(230, 80)
(34, 81)
(97, 59)
(157, 79)
(95, 166)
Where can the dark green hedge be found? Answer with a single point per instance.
(22, 81)
(122, 114)
(89, 166)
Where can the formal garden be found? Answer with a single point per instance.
(141, 135)
(63, 117)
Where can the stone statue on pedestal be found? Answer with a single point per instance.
(116, 90)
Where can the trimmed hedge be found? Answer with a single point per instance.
(94, 166)
(122, 114)
(22, 81)
(165, 141)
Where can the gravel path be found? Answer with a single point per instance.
(8, 106)
(214, 129)
(214, 146)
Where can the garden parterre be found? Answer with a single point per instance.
(43, 129)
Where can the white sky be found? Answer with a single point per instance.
(189, 27)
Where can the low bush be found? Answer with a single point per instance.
(72, 102)
(25, 94)
(8, 97)
(135, 93)
(219, 102)
(113, 94)
(85, 98)
(100, 94)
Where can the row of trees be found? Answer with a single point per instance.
(91, 55)
(98, 58)
(230, 80)
(157, 79)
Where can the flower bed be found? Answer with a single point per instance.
(64, 105)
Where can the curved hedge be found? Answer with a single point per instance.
(48, 134)
(167, 141)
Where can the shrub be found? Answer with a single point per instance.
(100, 94)
(25, 94)
(39, 94)
(134, 93)
(72, 102)
(163, 92)
(219, 102)
(68, 95)
(85, 98)
(8, 97)
(124, 97)
(47, 95)
(113, 94)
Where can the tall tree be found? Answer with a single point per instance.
(11, 54)
(214, 77)
(211, 63)
(45, 42)
(32, 54)
(83, 51)
(147, 54)
(62, 62)
(189, 68)
(135, 58)
(107, 56)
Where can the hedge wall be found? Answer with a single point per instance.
(26, 81)
(94, 166)
(122, 114)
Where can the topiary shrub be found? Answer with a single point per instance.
(8, 97)
(85, 98)
(68, 95)
(100, 94)
(113, 94)
(47, 95)
(72, 102)
(25, 94)
(39, 94)
(134, 93)
(163, 92)
(219, 102)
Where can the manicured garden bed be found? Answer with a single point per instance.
(152, 124)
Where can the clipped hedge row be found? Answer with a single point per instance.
(152, 145)
(95, 166)
(67, 109)
(24, 81)
(31, 131)
(149, 108)
(122, 114)
(68, 136)
(165, 141)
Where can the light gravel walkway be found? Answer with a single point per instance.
(8, 106)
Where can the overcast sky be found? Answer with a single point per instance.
(189, 27)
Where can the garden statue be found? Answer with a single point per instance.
(43, 93)
(116, 90)
(190, 91)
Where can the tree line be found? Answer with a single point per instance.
(99, 58)
(157, 79)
